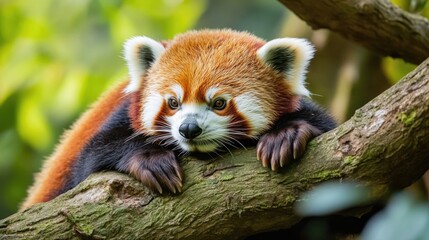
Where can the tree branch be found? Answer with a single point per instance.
(378, 25)
(235, 196)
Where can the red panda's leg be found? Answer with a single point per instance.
(157, 169)
(277, 148)
(289, 136)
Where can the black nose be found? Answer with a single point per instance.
(190, 130)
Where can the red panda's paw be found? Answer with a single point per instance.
(157, 169)
(276, 148)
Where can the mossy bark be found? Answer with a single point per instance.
(377, 25)
(383, 146)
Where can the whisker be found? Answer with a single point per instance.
(213, 158)
(231, 142)
(220, 142)
(183, 153)
(134, 135)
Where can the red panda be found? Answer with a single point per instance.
(202, 91)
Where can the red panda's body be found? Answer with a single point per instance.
(58, 166)
(199, 92)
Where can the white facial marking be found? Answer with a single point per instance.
(151, 108)
(303, 53)
(211, 93)
(247, 104)
(178, 90)
(214, 127)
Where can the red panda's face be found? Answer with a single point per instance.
(198, 123)
(209, 89)
(202, 112)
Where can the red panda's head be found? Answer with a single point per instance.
(206, 89)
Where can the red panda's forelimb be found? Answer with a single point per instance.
(288, 137)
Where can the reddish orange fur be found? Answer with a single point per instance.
(57, 167)
(231, 110)
(135, 110)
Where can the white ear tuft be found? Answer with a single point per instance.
(140, 53)
(290, 56)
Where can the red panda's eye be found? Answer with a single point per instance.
(173, 103)
(219, 104)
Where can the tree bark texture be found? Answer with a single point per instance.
(383, 146)
(377, 25)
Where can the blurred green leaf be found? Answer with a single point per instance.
(331, 197)
(403, 218)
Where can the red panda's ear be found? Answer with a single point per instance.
(291, 57)
(140, 53)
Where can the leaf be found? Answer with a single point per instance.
(403, 218)
(332, 197)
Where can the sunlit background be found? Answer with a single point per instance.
(56, 57)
